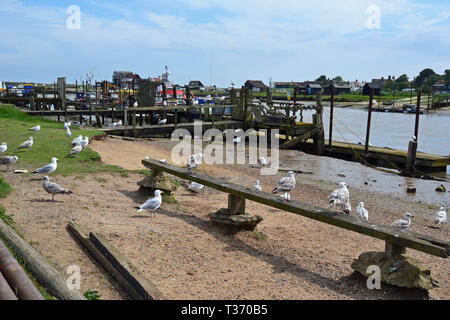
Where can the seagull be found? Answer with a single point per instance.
(151, 204)
(77, 140)
(36, 128)
(285, 185)
(163, 121)
(119, 123)
(193, 161)
(53, 188)
(48, 168)
(75, 150)
(8, 161)
(163, 161)
(405, 223)
(68, 133)
(3, 147)
(112, 125)
(362, 212)
(237, 140)
(146, 158)
(27, 144)
(256, 186)
(195, 187)
(440, 217)
(84, 142)
(67, 125)
(339, 199)
(262, 162)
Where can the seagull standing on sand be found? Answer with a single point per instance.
(195, 187)
(152, 204)
(3, 147)
(440, 217)
(75, 150)
(77, 140)
(361, 212)
(340, 199)
(256, 186)
(194, 161)
(36, 128)
(8, 161)
(403, 224)
(285, 185)
(48, 168)
(27, 144)
(53, 188)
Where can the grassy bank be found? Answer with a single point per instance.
(50, 141)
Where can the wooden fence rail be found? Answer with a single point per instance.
(392, 236)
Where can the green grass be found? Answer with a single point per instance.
(92, 295)
(50, 141)
(5, 188)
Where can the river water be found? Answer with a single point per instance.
(388, 129)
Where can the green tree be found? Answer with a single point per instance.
(423, 75)
(402, 78)
(338, 80)
(389, 85)
(447, 76)
(430, 81)
(322, 78)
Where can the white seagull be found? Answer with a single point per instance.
(151, 204)
(84, 142)
(67, 125)
(163, 161)
(256, 186)
(68, 133)
(403, 224)
(194, 161)
(75, 150)
(195, 187)
(163, 121)
(362, 212)
(27, 144)
(48, 168)
(262, 162)
(36, 128)
(53, 188)
(285, 185)
(3, 147)
(77, 140)
(440, 217)
(340, 199)
(8, 161)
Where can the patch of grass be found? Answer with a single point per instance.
(124, 174)
(7, 218)
(92, 295)
(168, 198)
(102, 180)
(258, 235)
(174, 182)
(5, 188)
(50, 141)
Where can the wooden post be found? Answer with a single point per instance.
(393, 249)
(428, 101)
(236, 205)
(416, 127)
(331, 117)
(369, 118)
(394, 95)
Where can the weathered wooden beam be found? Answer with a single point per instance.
(44, 273)
(6, 292)
(117, 264)
(291, 143)
(389, 234)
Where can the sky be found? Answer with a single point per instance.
(218, 42)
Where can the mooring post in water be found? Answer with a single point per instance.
(331, 116)
(369, 118)
(394, 95)
(428, 99)
(412, 147)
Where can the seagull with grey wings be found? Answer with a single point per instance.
(285, 185)
(75, 150)
(194, 161)
(405, 223)
(195, 187)
(339, 199)
(27, 144)
(48, 168)
(77, 140)
(36, 128)
(53, 188)
(256, 186)
(361, 212)
(8, 161)
(262, 162)
(152, 204)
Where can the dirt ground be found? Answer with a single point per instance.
(188, 257)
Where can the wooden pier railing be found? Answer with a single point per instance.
(395, 239)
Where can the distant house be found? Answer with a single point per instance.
(196, 85)
(371, 85)
(338, 89)
(356, 86)
(382, 81)
(282, 85)
(120, 77)
(441, 87)
(312, 88)
(255, 85)
(301, 87)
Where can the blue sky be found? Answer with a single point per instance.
(223, 41)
